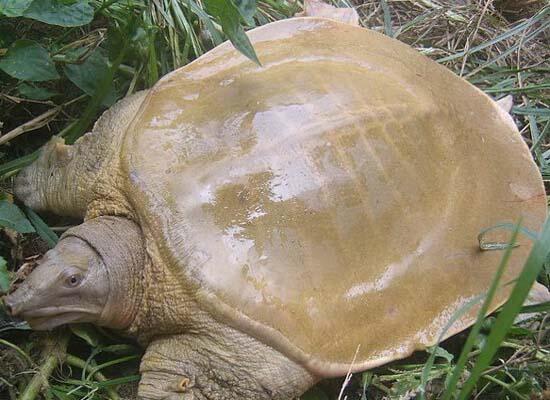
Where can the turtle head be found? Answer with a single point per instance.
(71, 284)
(92, 275)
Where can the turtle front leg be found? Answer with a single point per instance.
(230, 366)
(61, 180)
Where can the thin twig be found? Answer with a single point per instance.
(17, 100)
(18, 350)
(31, 125)
(37, 122)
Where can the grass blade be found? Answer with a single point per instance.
(512, 49)
(387, 18)
(461, 363)
(518, 89)
(229, 17)
(11, 167)
(542, 136)
(119, 381)
(511, 308)
(535, 308)
(520, 27)
(42, 228)
(205, 19)
(428, 366)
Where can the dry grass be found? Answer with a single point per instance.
(446, 28)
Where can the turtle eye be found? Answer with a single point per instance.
(73, 280)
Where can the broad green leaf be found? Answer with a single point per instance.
(205, 19)
(229, 17)
(86, 332)
(42, 228)
(441, 352)
(247, 8)
(55, 12)
(14, 8)
(88, 75)
(35, 93)
(4, 276)
(28, 61)
(12, 217)
(7, 35)
(105, 84)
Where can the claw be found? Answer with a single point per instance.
(181, 385)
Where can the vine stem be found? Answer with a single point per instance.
(54, 352)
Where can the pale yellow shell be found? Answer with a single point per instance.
(329, 201)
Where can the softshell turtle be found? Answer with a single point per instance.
(258, 228)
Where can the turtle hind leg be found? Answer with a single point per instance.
(62, 178)
(51, 183)
(230, 366)
(318, 8)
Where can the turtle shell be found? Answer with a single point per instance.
(329, 201)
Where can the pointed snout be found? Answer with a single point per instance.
(15, 302)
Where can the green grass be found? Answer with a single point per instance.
(113, 48)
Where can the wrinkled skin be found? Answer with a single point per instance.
(70, 285)
(189, 354)
(73, 283)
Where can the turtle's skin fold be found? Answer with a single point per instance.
(260, 228)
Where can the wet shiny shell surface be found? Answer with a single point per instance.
(329, 201)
